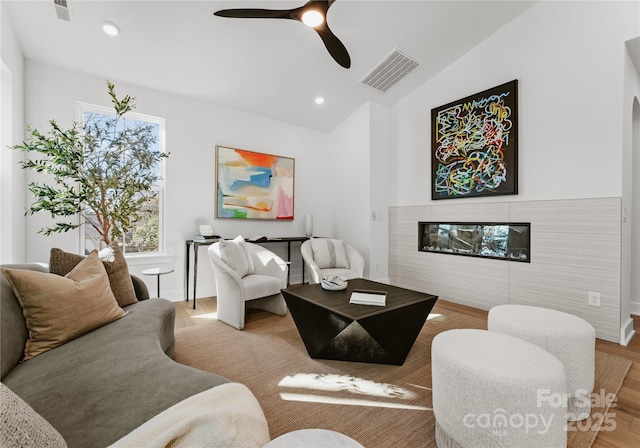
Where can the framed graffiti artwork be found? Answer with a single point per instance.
(253, 185)
(474, 145)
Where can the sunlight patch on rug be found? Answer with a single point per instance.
(324, 399)
(344, 383)
(419, 386)
(328, 383)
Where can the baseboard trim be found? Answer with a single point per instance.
(384, 280)
(635, 308)
(178, 295)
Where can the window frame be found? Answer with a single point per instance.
(160, 188)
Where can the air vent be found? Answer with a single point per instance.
(62, 10)
(390, 71)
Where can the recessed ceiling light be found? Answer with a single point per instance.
(110, 28)
(319, 100)
(312, 18)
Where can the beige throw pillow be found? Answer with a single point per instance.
(58, 309)
(329, 253)
(23, 427)
(61, 263)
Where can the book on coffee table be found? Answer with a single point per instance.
(368, 297)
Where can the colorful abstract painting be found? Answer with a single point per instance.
(252, 185)
(474, 144)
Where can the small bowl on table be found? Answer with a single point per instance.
(333, 283)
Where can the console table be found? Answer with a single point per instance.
(288, 240)
(197, 244)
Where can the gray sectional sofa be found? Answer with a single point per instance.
(101, 386)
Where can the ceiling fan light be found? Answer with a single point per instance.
(312, 18)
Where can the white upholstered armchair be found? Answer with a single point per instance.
(247, 275)
(325, 257)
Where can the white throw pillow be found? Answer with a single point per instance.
(329, 253)
(234, 256)
(251, 268)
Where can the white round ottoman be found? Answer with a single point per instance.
(487, 388)
(569, 338)
(313, 438)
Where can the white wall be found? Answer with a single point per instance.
(574, 122)
(193, 129)
(359, 185)
(12, 178)
(379, 188)
(630, 281)
(347, 181)
(568, 58)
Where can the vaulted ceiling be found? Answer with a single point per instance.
(272, 68)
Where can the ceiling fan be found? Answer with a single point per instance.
(313, 14)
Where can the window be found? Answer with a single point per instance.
(146, 234)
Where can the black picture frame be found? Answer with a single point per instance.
(474, 145)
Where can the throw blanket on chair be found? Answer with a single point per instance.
(224, 416)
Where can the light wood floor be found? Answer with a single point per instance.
(625, 413)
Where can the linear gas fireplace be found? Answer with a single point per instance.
(502, 241)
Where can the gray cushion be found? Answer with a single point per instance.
(101, 386)
(13, 326)
(142, 293)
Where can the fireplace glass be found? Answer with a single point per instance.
(503, 241)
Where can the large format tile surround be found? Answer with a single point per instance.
(575, 248)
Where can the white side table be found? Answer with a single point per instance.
(316, 438)
(157, 272)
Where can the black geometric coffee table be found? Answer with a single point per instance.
(332, 328)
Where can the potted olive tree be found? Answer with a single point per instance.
(102, 171)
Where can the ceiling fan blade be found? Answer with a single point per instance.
(254, 13)
(335, 47)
